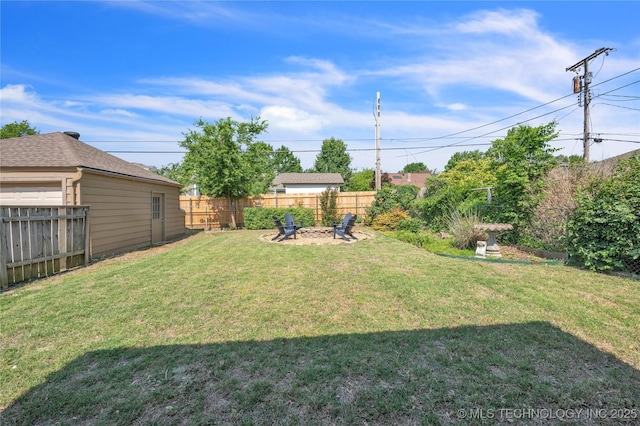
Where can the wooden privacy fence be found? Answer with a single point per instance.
(209, 213)
(40, 241)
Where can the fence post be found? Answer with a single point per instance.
(191, 213)
(357, 204)
(87, 236)
(4, 277)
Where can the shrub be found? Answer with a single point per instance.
(392, 197)
(411, 225)
(262, 218)
(604, 230)
(549, 223)
(329, 206)
(420, 239)
(461, 227)
(389, 221)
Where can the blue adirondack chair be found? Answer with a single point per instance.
(289, 223)
(280, 226)
(345, 228)
(287, 229)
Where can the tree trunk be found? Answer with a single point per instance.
(232, 203)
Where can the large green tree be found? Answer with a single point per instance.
(462, 156)
(260, 167)
(363, 180)
(415, 168)
(16, 130)
(457, 189)
(521, 162)
(333, 158)
(284, 161)
(220, 158)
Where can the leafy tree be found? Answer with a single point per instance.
(414, 168)
(261, 169)
(176, 172)
(362, 181)
(16, 130)
(333, 158)
(463, 156)
(521, 161)
(217, 158)
(456, 190)
(604, 229)
(570, 160)
(285, 162)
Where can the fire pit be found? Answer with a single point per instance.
(317, 236)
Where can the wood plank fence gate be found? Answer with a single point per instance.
(41, 241)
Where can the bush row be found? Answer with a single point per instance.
(262, 218)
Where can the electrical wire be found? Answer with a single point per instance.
(428, 149)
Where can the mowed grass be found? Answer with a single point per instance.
(225, 328)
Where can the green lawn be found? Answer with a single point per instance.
(225, 328)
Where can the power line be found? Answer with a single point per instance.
(617, 106)
(294, 151)
(408, 140)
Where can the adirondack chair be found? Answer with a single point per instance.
(288, 229)
(280, 226)
(290, 223)
(345, 228)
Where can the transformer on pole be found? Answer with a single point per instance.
(581, 85)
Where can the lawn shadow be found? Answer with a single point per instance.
(440, 376)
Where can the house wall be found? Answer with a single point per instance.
(121, 211)
(60, 182)
(306, 189)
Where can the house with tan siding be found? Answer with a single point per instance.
(130, 207)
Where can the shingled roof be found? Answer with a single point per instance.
(308, 178)
(59, 150)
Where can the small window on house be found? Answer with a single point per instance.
(155, 207)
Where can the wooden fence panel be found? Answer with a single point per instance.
(203, 212)
(40, 241)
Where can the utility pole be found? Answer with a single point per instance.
(377, 115)
(585, 80)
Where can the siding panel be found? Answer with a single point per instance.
(121, 212)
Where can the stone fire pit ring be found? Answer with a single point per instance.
(317, 236)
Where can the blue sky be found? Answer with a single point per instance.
(452, 76)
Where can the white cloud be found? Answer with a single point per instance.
(174, 105)
(514, 22)
(291, 119)
(17, 93)
(455, 107)
(116, 111)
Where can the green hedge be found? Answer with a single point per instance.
(604, 229)
(262, 218)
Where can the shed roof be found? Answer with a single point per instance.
(308, 179)
(59, 150)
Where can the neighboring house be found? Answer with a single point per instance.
(130, 207)
(306, 183)
(607, 166)
(416, 179)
